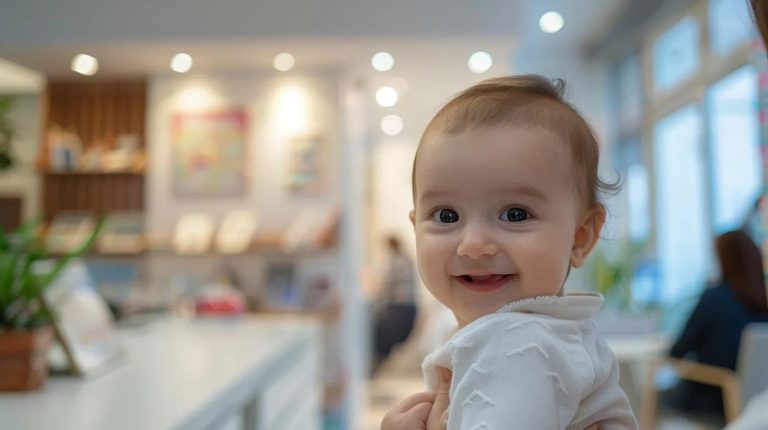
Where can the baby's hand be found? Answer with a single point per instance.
(438, 416)
(410, 414)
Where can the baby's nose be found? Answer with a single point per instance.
(477, 242)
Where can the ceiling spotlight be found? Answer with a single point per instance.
(551, 22)
(386, 96)
(181, 63)
(84, 64)
(480, 62)
(392, 125)
(283, 62)
(382, 61)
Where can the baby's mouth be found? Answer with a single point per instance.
(484, 283)
(483, 279)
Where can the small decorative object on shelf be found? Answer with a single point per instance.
(235, 233)
(193, 234)
(27, 323)
(68, 230)
(123, 233)
(64, 149)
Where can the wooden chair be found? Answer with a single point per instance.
(749, 379)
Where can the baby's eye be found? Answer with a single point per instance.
(514, 215)
(445, 216)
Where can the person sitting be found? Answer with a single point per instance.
(712, 334)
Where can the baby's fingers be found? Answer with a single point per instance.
(420, 412)
(411, 401)
(410, 414)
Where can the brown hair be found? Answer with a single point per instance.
(742, 269)
(529, 101)
(760, 12)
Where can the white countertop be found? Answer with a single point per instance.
(175, 374)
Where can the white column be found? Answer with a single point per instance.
(354, 321)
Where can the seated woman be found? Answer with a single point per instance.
(712, 334)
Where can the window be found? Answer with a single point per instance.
(735, 151)
(676, 54)
(682, 239)
(637, 196)
(629, 91)
(730, 25)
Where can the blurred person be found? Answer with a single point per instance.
(755, 416)
(712, 334)
(396, 308)
(506, 202)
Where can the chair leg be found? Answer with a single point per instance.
(731, 399)
(649, 400)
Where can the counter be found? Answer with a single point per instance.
(250, 373)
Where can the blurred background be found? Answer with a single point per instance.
(252, 163)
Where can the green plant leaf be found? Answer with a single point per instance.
(21, 289)
(8, 272)
(5, 243)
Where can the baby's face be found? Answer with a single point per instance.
(495, 218)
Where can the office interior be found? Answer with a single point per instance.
(246, 162)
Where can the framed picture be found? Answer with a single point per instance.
(209, 153)
(306, 172)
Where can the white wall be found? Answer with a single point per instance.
(15, 79)
(23, 178)
(314, 110)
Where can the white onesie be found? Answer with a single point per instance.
(533, 364)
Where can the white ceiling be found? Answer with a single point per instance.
(138, 37)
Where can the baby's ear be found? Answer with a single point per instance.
(412, 216)
(587, 235)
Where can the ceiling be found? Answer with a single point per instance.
(139, 37)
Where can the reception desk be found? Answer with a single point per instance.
(249, 373)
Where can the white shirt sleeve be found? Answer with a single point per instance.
(504, 381)
(530, 372)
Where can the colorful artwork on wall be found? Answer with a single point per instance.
(306, 171)
(209, 153)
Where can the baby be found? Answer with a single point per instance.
(506, 201)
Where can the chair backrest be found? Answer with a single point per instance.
(753, 357)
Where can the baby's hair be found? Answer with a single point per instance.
(529, 101)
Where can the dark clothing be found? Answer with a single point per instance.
(712, 336)
(396, 313)
(393, 326)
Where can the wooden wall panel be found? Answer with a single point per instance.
(10, 212)
(98, 111)
(91, 192)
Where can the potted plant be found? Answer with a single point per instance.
(7, 133)
(26, 329)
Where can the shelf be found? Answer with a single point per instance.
(98, 174)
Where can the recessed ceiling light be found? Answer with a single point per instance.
(382, 61)
(283, 62)
(84, 64)
(181, 63)
(480, 62)
(386, 96)
(551, 22)
(392, 125)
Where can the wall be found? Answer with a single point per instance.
(277, 107)
(23, 179)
